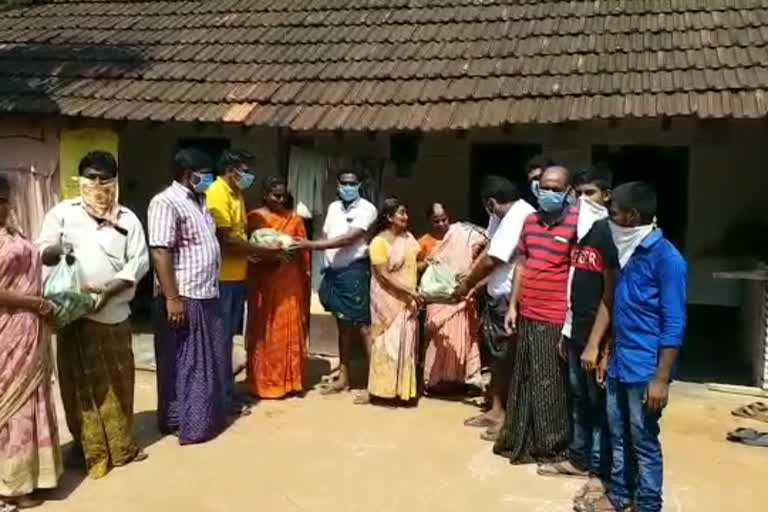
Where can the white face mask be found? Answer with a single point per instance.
(589, 213)
(628, 239)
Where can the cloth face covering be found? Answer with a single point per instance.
(628, 239)
(100, 198)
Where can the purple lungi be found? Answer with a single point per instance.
(191, 398)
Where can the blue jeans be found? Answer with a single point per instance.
(232, 297)
(591, 445)
(637, 473)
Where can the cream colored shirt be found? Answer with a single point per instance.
(102, 253)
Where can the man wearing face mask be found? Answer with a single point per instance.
(533, 169)
(594, 264)
(507, 214)
(649, 316)
(95, 359)
(189, 327)
(344, 291)
(537, 425)
(227, 206)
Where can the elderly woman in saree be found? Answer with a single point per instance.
(278, 298)
(29, 439)
(451, 330)
(394, 306)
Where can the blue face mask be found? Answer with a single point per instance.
(245, 181)
(550, 200)
(348, 193)
(535, 188)
(203, 182)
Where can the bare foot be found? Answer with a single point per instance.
(335, 387)
(603, 504)
(141, 456)
(564, 469)
(492, 434)
(486, 420)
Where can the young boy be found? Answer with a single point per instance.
(649, 317)
(594, 264)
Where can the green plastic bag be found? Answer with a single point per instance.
(63, 289)
(268, 236)
(438, 282)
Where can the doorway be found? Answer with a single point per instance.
(664, 168)
(506, 160)
(212, 146)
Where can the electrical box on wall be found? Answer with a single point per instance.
(404, 151)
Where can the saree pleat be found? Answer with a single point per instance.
(452, 330)
(29, 441)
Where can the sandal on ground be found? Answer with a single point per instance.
(740, 434)
(141, 456)
(330, 376)
(593, 486)
(8, 507)
(591, 491)
(491, 434)
(564, 469)
(760, 440)
(362, 398)
(754, 411)
(21, 503)
(334, 388)
(603, 504)
(481, 421)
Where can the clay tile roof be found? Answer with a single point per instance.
(385, 64)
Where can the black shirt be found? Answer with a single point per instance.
(589, 258)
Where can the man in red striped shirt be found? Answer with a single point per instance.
(537, 425)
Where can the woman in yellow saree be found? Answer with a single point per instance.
(394, 306)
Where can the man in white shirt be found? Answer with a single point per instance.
(95, 359)
(507, 216)
(344, 290)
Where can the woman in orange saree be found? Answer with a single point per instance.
(278, 303)
(451, 330)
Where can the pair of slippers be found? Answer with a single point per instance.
(748, 436)
(754, 411)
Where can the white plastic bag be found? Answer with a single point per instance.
(63, 278)
(267, 236)
(438, 282)
(63, 289)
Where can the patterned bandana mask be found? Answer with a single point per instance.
(100, 199)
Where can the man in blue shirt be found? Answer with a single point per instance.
(649, 316)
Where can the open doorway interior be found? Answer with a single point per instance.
(507, 160)
(710, 327)
(663, 167)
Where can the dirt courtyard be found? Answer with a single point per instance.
(326, 454)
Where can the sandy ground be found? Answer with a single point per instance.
(326, 454)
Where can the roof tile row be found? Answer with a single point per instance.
(386, 64)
